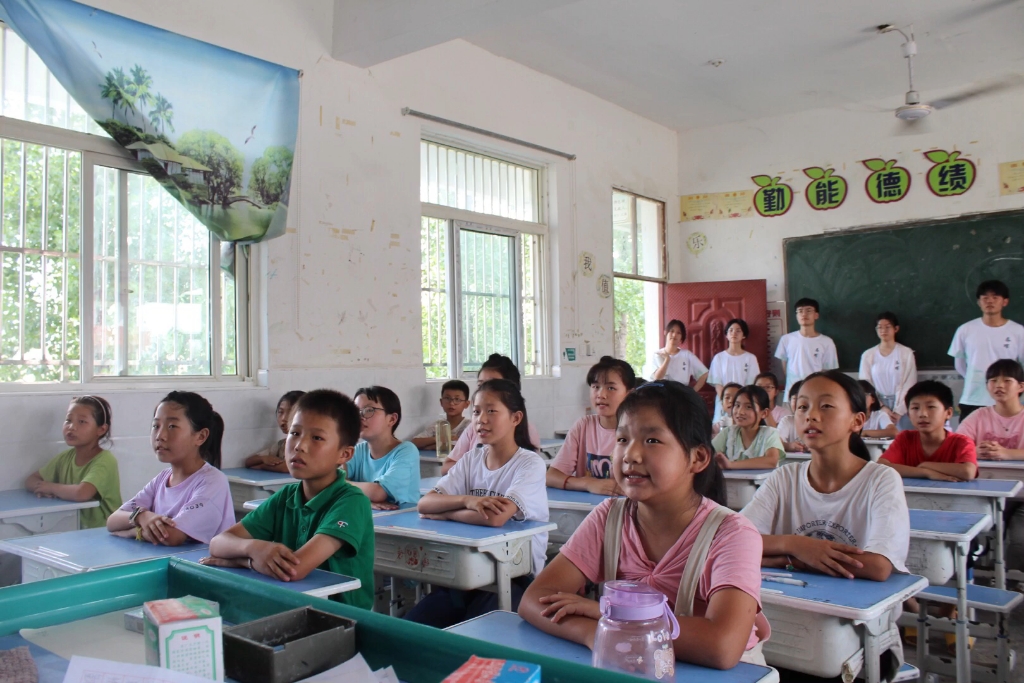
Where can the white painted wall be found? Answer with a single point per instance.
(724, 158)
(344, 306)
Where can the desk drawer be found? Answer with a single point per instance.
(738, 492)
(815, 644)
(32, 571)
(444, 564)
(931, 501)
(931, 559)
(568, 521)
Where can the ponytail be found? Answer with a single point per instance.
(859, 448)
(201, 415)
(510, 396)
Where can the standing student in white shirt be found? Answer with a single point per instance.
(734, 365)
(806, 350)
(890, 367)
(981, 342)
(674, 362)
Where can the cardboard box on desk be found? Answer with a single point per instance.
(184, 634)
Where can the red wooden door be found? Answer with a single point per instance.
(706, 307)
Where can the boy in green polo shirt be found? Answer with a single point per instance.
(322, 521)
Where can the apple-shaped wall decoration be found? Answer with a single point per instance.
(950, 175)
(825, 191)
(774, 198)
(888, 182)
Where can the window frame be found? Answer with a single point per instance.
(105, 152)
(458, 219)
(662, 248)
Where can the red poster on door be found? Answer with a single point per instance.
(706, 307)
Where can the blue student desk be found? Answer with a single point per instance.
(453, 554)
(833, 626)
(430, 464)
(247, 484)
(319, 583)
(740, 486)
(980, 495)
(568, 509)
(74, 552)
(250, 505)
(24, 514)
(549, 447)
(507, 628)
(1002, 469)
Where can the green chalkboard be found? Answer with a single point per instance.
(925, 273)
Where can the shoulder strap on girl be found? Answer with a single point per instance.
(613, 537)
(698, 557)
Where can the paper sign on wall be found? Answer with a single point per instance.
(716, 206)
(1011, 177)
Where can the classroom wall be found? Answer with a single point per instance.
(343, 284)
(723, 159)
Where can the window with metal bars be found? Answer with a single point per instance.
(481, 277)
(102, 272)
(638, 260)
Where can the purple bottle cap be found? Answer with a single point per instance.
(633, 601)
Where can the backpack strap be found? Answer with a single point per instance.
(613, 537)
(698, 557)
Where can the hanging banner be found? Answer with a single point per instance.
(215, 127)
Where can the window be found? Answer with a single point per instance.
(483, 250)
(638, 258)
(102, 272)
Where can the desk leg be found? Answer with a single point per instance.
(998, 505)
(503, 573)
(872, 655)
(922, 638)
(963, 651)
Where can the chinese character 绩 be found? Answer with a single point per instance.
(953, 176)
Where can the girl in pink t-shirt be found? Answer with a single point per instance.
(191, 499)
(998, 431)
(664, 463)
(584, 462)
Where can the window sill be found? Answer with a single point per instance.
(118, 385)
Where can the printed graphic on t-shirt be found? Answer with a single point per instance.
(1008, 441)
(1006, 343)
(827, 530)
(817, 352)
(599, 466)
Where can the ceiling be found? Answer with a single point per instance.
(653, 56)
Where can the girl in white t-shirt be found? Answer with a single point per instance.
(839, 513)
(584, 463)
(877, 425)
(890, 367)
(787, 425)
(501, 480)
(770, 383)
(729, 392)
(674, 362)
(734, 365)
(749, 444)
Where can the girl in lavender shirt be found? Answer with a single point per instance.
(190, 501)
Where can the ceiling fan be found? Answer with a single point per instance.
(913, 109)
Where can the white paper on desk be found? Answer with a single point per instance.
(355, 670)
(89, 670)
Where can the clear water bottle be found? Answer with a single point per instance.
(443, 433)
(635, 632)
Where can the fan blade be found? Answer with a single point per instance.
(987, 89)
(978, 10)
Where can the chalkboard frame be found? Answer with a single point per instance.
(849, 360)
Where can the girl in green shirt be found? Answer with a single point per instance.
(749, 443)
(86, 471)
